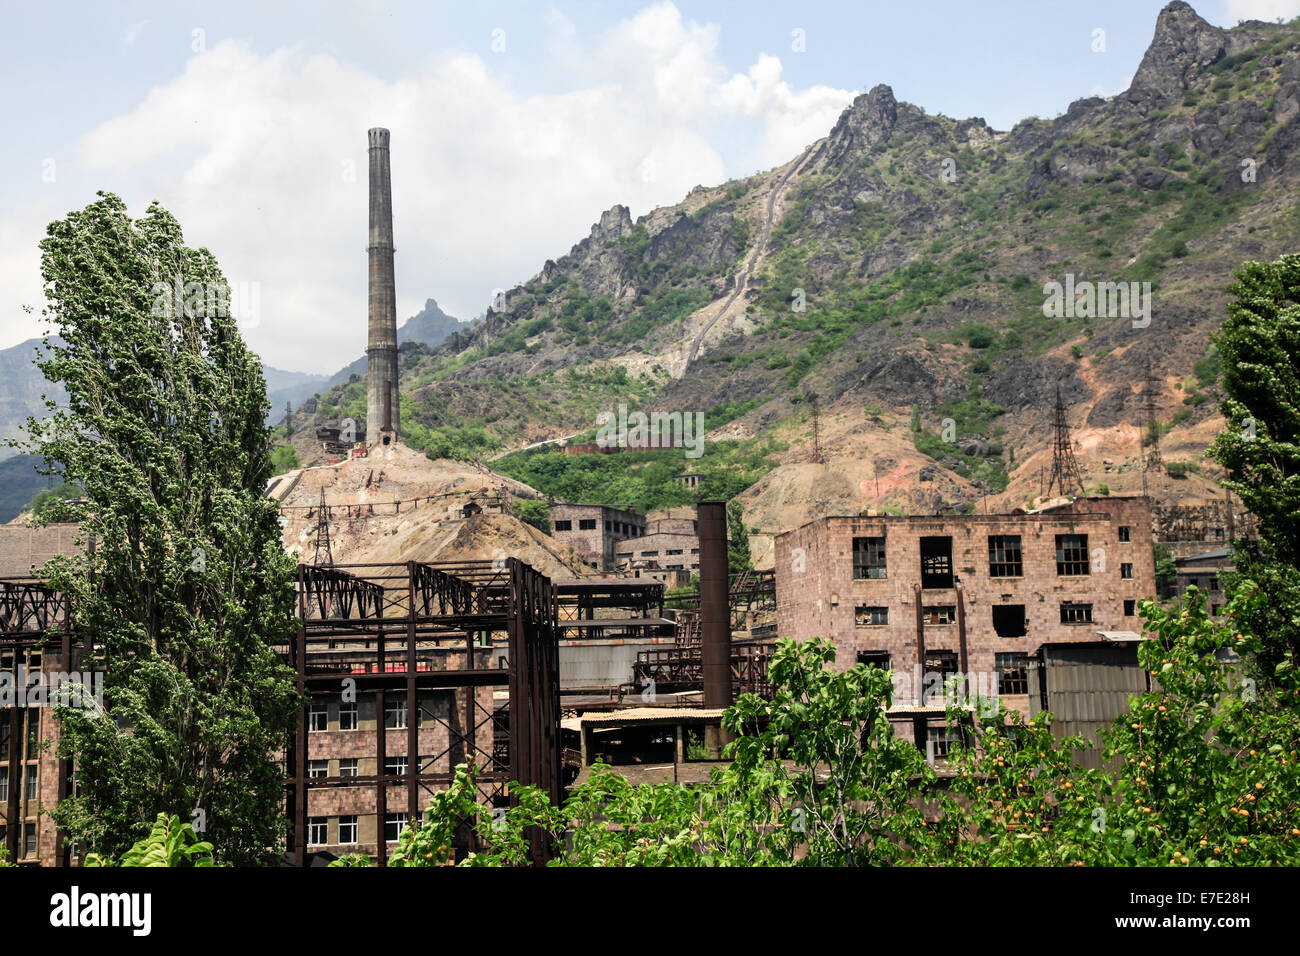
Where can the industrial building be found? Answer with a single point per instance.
(594, 531)
(969, 594)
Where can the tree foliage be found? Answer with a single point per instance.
(187, 586)
(1259, 346)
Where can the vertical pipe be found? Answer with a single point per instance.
(715, 616)
(381, 787)
(918, 692)
(412, 707)
(298, 749)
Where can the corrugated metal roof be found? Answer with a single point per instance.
(634, 714)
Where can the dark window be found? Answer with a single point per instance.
(1004, 556)
(939, 614)
(609, 526)
(348, 829)
(868, 557)
(1215, 609)
(1130, 608)
(879, 659)
(348, 767)
(936, 562)
(31, 783)
(318, 768)
(649, 554)
(938, 742)
(4, 739)
(29, 839)
(1072, 613)
(320, 717)
(1214, 583)
(395, 714)
(1124, 532)
(673, 551)
(1013, 677)
(1126, 570)
(1071, 554)
(870, 616)
(394, 824)
(395, 766)
(565, 525)
(1009, 620)
(586, 524)
(318, 831)
(348, 716)
(941, 662)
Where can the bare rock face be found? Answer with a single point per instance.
(1183, 44)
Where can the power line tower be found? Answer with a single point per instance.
(323, 534)
(1151, 459)
(1066, 476)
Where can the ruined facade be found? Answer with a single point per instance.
(975, 593)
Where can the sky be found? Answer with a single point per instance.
(514, 125)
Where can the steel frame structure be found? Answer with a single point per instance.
(389, 629)
(34, 620)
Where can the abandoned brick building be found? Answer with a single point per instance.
(968, 594)
(592, 531)
(670, 542)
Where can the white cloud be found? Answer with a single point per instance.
(252, 152)
(1267, 10)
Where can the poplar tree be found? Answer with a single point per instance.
(186, 588)
(1260, 348)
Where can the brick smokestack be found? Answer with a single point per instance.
(715, 609)
(382, 406)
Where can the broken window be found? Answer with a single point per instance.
(1126, 570)
(868, 557)
(879, 659)
(1072, 613)
(871, 616)
(939, 614)
(1013, 673)
(1004, 556)
(586, 524)
(941, 662)
(1009, 620)
(564, 525)
(1124, 532)
(936, 562)
(1071, 554)
(1130, 608)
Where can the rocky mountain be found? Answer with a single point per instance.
(895, 283)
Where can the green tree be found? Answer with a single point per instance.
(738, 554)
(1259, 345)
(535, 513)
(187, 588)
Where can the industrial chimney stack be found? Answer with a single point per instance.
(382, 407)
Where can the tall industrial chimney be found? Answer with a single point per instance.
(715, 611)
(383, 410)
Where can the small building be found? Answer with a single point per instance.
(1086, 685)
(593, 531)
(1202, 572)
